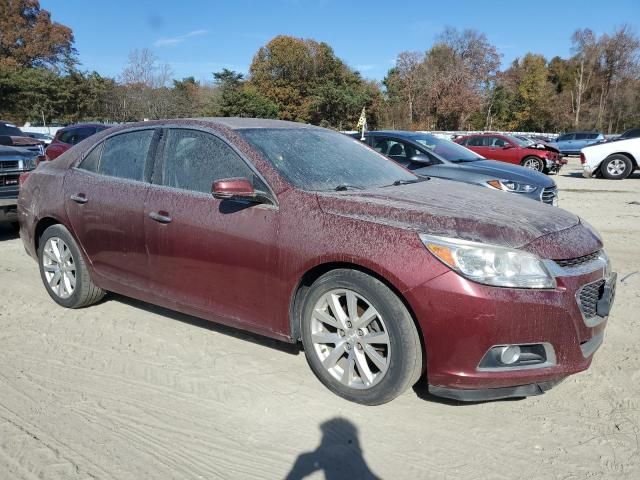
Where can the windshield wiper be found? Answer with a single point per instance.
(347, 186)
(406, 182)
(465, 160)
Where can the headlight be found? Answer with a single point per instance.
(490, 264)
(29, 163)
(510, 186)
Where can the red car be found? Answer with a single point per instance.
(301, 233)
(511, 149)
(67, 137)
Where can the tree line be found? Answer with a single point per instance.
(457, 84)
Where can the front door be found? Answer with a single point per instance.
(104, 199)
(217, 256)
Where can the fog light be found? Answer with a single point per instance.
(509, 354)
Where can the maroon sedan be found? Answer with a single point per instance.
(300, 233)
(67, 137)
(514, 149)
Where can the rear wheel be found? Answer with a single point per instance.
(616, 167)
(359, 338)
(534, 163)
(64, 271)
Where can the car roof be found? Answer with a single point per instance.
(82, 125)
(238, 123)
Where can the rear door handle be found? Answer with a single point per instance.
(79, 198)
(160, 217)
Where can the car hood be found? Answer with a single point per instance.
(484, 170)
(14, 152)
(453, 209)
(24, 141)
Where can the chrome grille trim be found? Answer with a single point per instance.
(548, 195)
(596, 261)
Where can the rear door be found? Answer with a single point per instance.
(104, 199)
(217, 256)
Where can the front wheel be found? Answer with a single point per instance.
(359, 338)
(64, 271)
(534, 163)
(616, 167)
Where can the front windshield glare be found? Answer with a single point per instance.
(315, 159)
(447, 149)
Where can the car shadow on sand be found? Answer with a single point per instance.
(292, 349)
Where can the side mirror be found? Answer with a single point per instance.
(6, 140)
(507, 146)
(230, 188)
(422, 159)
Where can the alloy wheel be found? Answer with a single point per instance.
(350, 338)
(59, 267)
(532, 163)
(616, 167)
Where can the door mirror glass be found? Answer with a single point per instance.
(233, 188)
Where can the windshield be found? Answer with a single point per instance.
(520, 141)
(446, 149)
(314, 159)
(10, 130)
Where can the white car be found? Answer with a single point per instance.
(613, 160)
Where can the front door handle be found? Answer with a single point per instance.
(160, 217)
(79, 198)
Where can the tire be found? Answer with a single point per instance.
(616, 167)
(59, 252)
(534, 163)
(369, 369)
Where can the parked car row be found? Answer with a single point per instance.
(426, 154)
(303, 234)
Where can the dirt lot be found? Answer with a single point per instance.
(127, 390)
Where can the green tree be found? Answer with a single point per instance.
(237, 98)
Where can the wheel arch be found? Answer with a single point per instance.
(41, 226)
(311, 275)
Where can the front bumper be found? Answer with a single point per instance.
(587, 171)
(8, 206)
(462, 320)
(483, 395)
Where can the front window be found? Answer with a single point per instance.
(446, 149)
(314, 159)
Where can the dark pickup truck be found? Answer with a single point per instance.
(13, 162)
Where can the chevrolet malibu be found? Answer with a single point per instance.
(303, 234)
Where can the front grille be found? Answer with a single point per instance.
(589, 296)
(549, 194)
(9, 165)
(576, 262)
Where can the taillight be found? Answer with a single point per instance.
(582, 159)
(23, 178)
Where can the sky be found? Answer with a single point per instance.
(197, 37)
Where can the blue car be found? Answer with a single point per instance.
(571, 143)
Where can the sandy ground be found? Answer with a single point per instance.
(126, 390)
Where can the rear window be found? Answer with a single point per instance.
(10, 130)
